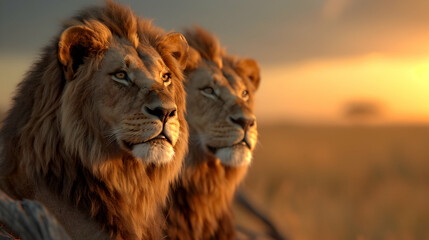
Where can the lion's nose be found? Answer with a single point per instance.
(162, 113)
(244, 123)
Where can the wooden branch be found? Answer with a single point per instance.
(4, 235)
(272, 229)
(29, 219)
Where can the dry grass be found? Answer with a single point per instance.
(343, 182)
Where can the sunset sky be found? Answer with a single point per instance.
(315, 55)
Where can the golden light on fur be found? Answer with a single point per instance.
(223, 135)
(97, 148)
(221, 109)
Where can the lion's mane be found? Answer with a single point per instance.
(200, 205)
(48, 143)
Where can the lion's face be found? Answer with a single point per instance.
(136, 101)
(220, 111)
(133, 100)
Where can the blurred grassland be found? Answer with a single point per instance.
(336, 182)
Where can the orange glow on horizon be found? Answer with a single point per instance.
(316, 91)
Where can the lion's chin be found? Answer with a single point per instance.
(153, 152)
(235, 156)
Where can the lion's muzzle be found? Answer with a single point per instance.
(233, 142)
(151, 136)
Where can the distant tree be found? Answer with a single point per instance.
(362, 111)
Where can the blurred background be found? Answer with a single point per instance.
(343, 106)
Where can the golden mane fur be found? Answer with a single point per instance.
(205, 46)
(62, 142)
(200, 204)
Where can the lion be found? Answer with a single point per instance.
(220, 93)
(97, 129)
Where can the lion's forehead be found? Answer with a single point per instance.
(142, 57)
(229, 83)
(234, 79)
(150, 57)
(142, 66)
(231, 89)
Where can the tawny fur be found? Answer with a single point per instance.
(200, 204)
(54, 146)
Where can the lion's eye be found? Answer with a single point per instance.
(209, 92)
(245, 94)
(166, 78)
(121, 77)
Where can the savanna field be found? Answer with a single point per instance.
(342, 182)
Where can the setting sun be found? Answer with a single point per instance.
(316, 90)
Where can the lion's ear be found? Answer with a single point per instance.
(175, 45)
(250, 69)
(76, 43)
(194, 59)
